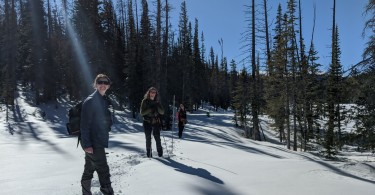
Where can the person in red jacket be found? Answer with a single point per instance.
(182, 119)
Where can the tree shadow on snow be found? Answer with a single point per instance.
(125, 146)
(194, 135)
(203, 173)
(197, 135)
(27, 131)
(338, 170)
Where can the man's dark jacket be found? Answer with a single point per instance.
(96, 121)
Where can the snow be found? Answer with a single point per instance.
(38, 157)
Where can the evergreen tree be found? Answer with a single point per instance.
(114, 49)
(132, 67)
(224, 87)
(69, 55)
(241, 101)
(51, 68)
(233, 79)
(147, 53)
(8, 52)
(369, 53)
(366, 98)
(88, 29)
(313, 97)
(186, 55)
(333, 91)
(205, 72)
(197, 80)
(303, 106)
(34, 48)
(2, 57)
(276, 90)
(293, 65)
(165, 54)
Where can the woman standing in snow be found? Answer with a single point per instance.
(95, 126)
(151, 111)
(181, 118)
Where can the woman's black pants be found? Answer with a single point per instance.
(180, 128)
(153, 129)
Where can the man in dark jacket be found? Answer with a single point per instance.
(95, 126)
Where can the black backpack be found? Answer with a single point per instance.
(74, 125)
(74, 114)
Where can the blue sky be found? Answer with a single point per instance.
(226, 19)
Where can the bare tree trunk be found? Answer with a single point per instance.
(255, 102)
(339, 125)
(158, 44)
(309, 112)
(268, 50)
(164, 57)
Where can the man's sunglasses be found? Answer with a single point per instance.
(102, 82)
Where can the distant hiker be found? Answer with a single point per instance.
(96, 123)
(151, 110)
(182, 119)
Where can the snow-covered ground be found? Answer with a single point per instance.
(37, 157)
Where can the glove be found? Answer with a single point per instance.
(152, 105)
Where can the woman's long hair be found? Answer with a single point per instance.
(147, 94)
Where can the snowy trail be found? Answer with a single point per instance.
(198, 165)
(212, 158)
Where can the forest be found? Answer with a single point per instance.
(56, 47)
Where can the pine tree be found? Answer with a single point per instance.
(369, 53)
(303, 105)
(2, 57)
(87, 24)
(293, 65)
(51, 67)
(147, 52)
(165, 53)
(333, 90)
(205, 71)
(9, 52)
(132, 67)
(314, 90)
(366, 98)
(233, 79)
(276, 93)
(224, 86)
(33, 45)
(114, 49)
(255, 96)
(241, 101)
(197, 77)
(185, 47)
(69, 51)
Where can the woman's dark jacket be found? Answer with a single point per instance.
(182, 115)
(151, 110)
(96, 121)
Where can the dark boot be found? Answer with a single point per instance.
(160, 152)
(86, 187)
(149, 153)
(107, 190)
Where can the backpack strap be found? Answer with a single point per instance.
(79, 139)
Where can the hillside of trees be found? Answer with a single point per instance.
(56, 47)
